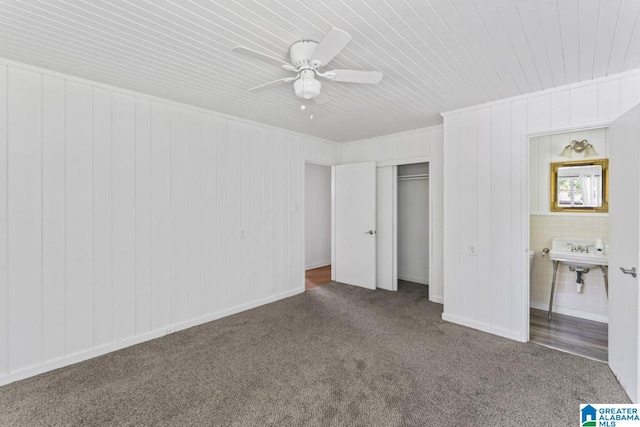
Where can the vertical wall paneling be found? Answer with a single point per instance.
(255, 214)
(609, 100)
(501, 270)
(234, 226)
(209, 264)
(259, 213)
(124, 215)
(484, 223)
(560, 109)
(143, 215)
(452, 213)
(246, 204)
(267, 245)
(79, 216)
(195, 214)
(468, 196)
(501, 199)
(53, 218)
(223, 229)
(24, 218)
(121, 218)
(518, 209)
(277, 237)
(102, 218)
(584, 104)
(179, 215)
(4, 229)
(297, 234)
(160, 152)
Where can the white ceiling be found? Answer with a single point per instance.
(437, 55)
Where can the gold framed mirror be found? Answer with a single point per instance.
(580, 186)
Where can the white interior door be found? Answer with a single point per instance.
(355, 224)
(624, 220)
(386, 276)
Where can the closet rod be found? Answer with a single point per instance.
(417, 176)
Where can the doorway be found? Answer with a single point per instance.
(413, 224)
(404, 226)
(570, 313)
(317, 225)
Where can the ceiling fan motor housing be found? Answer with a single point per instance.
(300, 52)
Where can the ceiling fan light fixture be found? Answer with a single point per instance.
(307, 88)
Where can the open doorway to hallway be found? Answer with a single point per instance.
(317, 225)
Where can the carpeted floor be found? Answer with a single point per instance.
(335, 355)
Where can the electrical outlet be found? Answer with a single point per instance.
(472, 251)
(242, 234)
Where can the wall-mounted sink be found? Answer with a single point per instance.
(579, 253)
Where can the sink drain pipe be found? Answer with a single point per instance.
(579, 280)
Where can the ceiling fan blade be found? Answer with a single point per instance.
(330, 45)
(271, 84)
(354, 76)
(323, 98)
(260, 56)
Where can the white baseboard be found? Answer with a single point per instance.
(81, 356)
(436, 299)
(419, 280)
(484, 327)
(317, 265)
(571, 312)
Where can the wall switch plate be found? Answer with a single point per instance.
(472, 251)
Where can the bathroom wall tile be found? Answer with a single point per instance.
(543, 228)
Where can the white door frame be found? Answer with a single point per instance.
(526, 136)
(304, 215)
(401, 162)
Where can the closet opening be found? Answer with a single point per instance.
(317, 225)
(413, 225)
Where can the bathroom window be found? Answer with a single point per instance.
(570, 191)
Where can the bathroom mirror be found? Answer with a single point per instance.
(580, 186)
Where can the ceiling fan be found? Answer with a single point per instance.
(307, 57)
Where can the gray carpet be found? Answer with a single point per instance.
(335, 355)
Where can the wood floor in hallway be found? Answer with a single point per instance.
(317, 277)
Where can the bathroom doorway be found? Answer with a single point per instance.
(574, 316)
(317, 225)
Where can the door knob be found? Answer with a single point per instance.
(631, 271)
(370, 232)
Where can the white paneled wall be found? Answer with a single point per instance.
(407, 145)
(317, 222)
(486, 174)
(123, 217)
